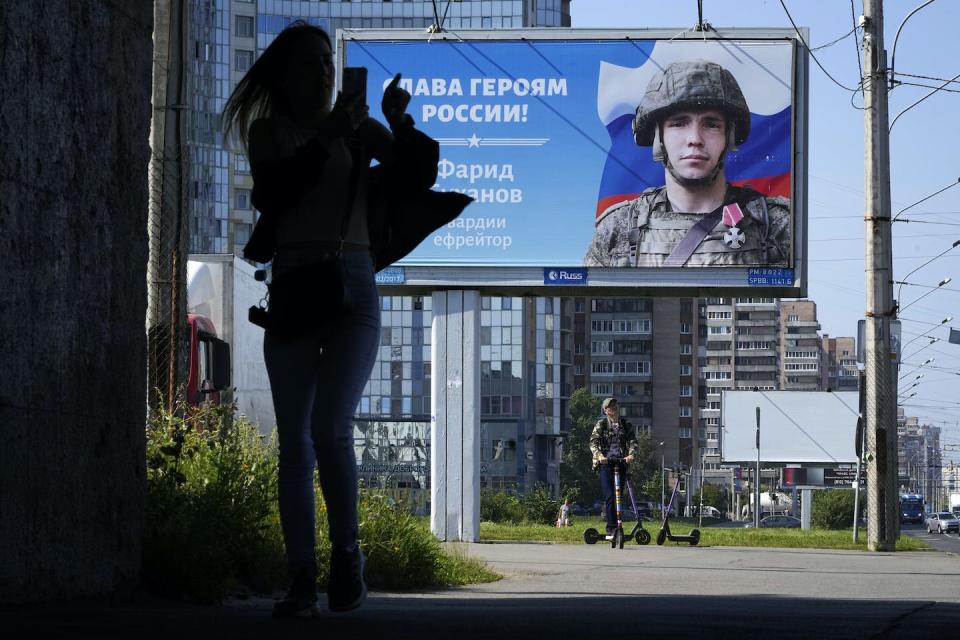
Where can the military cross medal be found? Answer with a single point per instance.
(734, 237)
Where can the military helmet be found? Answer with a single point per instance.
(691, 84)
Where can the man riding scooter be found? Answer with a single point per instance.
(612, 443)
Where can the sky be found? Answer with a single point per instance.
(922, 146)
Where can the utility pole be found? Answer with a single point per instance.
(880, 392)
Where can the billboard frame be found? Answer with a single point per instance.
(418, 279)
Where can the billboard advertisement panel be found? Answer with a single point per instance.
(817, 427)
(602, 159)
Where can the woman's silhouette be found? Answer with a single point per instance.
(318, 198)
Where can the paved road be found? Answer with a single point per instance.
(949, 542)
(580, 591)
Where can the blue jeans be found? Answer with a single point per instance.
(606, 486)
(315, 392)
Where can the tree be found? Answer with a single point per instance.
(576, 470)
(713, 496)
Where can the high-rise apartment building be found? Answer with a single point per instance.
(641, 350)
(799, 346)
(838, 368)
(919, 459)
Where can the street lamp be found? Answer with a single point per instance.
(924, 334)
(663, 485)
(946, 280)
(950, 248)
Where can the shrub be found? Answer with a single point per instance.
(539, 507)
(533, 507)
(211, 517)
(212, 520)
(499, 506)
(833, 509)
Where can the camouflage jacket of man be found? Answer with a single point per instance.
(644, 231)
(602, 436)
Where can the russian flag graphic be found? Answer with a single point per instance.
(764, 72)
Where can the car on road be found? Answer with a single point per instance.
(777, 522)
(942, 522)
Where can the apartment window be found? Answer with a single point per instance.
(793, 318)
(241, 166)
(601, 347)
(241, 199)
(686, 391)
(686, 349)
(684, 327)
(601, 389)
(242, 60)
(243, 27)
(241, 233)
(684, 432)
(686, 370)
(801, 366)
(717, 375)
(686, 412)
(720, 330)
(719, 315)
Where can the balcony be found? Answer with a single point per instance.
(811, 324)
(746, 368)
(771, 322)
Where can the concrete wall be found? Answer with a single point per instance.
(75, 79)
(665, 369)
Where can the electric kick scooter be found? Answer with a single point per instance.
(665, 534)
(617, 538)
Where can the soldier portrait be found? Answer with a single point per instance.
(693, 116)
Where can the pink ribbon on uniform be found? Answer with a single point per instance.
(732, 214)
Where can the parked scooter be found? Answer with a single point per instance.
(693, 538)
(617, 538)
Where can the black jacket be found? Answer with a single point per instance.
(402, 209)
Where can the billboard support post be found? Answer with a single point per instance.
(756, 484)
(880, 393)
(455, 419)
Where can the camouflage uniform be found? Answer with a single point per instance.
(642, 232)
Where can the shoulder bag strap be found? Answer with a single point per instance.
(685, 248)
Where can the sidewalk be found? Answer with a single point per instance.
(579, 591)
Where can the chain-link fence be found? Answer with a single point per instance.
(168, 213)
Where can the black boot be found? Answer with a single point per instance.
(346, 589)
(301, 600)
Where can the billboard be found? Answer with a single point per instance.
(795, 426)
(606, 160)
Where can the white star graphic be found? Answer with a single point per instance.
(473, 141)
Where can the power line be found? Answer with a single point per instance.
(890, 128)
(843, 37)
(853, 18)
(893, 54)
(935, 79)
(927, 86)
(812, 55)
(925, 198)
(942, 224)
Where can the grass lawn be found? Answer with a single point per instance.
(709, 536)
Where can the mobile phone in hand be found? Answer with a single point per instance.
(355, 82)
